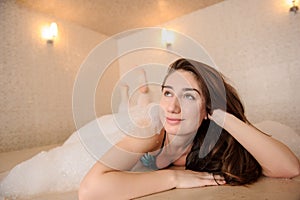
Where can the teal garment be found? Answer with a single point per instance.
(149, 160)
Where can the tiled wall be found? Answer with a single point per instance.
(36, 79)
(256, 44)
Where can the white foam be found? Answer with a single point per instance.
(61, 169)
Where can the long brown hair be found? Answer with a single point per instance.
(214, 149)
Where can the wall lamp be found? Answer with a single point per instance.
(167, 37)
(294, 7)
(49, 33)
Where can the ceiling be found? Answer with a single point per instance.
(110, 17)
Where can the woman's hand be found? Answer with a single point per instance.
(218, 116)
(260, 145)
(192, 179)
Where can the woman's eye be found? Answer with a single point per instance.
(167, 94)
(189, 97)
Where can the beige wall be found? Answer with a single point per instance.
(256, 44)
(36, 79)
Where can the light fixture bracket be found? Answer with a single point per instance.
(294, 8)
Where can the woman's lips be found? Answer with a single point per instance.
(173, 121)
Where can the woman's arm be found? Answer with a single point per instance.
(105, 183)
(108, 179)
(276, 159)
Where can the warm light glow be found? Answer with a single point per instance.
(292, 2)
(50, 32)
(293, 5)
(167, 37)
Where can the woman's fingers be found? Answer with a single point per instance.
(208, 175)
(212, 182)
(218, 116)
(219, 180)
(191, 179)
(213, 179)
(218, 177)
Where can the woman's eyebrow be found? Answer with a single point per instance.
(191, 89)
(166, 86)
(184, 89)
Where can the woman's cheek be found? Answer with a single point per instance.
(195, 115)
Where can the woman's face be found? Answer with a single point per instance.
(183, 107)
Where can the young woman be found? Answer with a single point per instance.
(205, 131)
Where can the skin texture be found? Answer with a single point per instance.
(183, 109)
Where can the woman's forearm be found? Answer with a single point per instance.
(131, 184)
(128, 185)
(276, 159)
(125, 185)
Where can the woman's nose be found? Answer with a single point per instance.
(174, 106)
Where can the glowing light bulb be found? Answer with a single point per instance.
(167, 37)
(50, 33)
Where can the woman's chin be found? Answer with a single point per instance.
(171, 130)
(174, 130)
